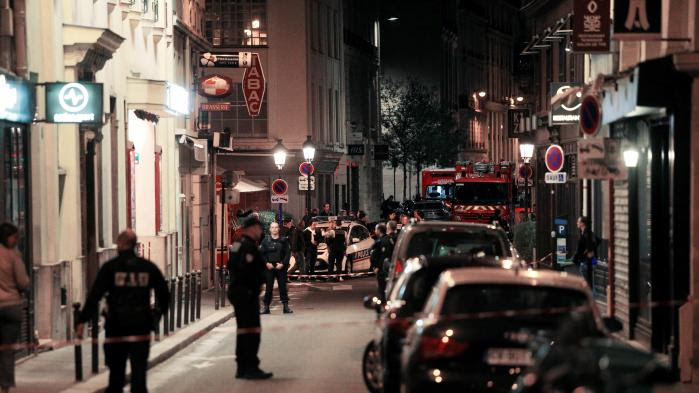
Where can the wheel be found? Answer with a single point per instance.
(371, 368)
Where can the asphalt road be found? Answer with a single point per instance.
(318, 348)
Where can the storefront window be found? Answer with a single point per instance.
(13, 198)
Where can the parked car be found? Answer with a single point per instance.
(439, 238)
(480, 327)
(433, 210)
(359, 243)
(381, 361)
(574, 361)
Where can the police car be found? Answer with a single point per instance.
(359, 243)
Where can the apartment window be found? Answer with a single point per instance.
(330, 32)
(236, 22)
(323, 35)
(314, 25)
(321, 116)
(238, 119)
(331, 113)
(338, 129)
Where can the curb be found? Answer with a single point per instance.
(101, 379)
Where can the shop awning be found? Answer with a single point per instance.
(247, 185)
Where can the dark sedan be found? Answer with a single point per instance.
(433, 210)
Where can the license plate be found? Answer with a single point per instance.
(509, 357)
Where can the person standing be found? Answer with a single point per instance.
(296, 244)
(247, 275)
(327, 211)
(127, 280)
(380, 251)
(13, 280)
(586, 252)
(336, 240)
(311, 237)
(276, 254)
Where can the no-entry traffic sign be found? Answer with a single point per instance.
(306, 169)
(554, 158)
(590, 115)
(279, 187)
(526, 171)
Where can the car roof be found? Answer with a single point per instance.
(455, 225)
(481, 275)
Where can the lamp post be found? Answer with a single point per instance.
(526, 151)
(279, 154)
(309, 152)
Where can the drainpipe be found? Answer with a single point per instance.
(20, 19)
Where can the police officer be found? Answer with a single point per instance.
(276, 254)
(247, 275)
(127, 280)
(336, 240)
(311, 237)
(380, 251)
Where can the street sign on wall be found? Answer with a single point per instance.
(226, 60)
(216, 106)
(516, 121)
(279, 187)
(280, 198)
(254, 86)
(306, 169)
(306, 182)
(555, 177)
(17, 99)
(591, 25)
(637, 20)
(600, 158)
(355, 150)
(590, 115)
(75, 102)
(554, 158)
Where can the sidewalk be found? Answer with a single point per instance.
(54, 371)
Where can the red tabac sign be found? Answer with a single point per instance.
(254, 86)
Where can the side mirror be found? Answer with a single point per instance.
(372, 303)
(355, 240)
(612, 324)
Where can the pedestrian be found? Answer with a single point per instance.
(380, 251)
(311, 237)
(306, 219)
(392, 230)
(362, 218)
(276, 254)
(391, 216)
(315, 212)
(247, 275)
(404, 221)
(336, 240)
(13, 280)
(127, 281)
(586, 253)
(386, 206)
(498, 219)
(327, 211)
(296, 245)
(418, 215)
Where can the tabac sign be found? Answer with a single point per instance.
(254, 86)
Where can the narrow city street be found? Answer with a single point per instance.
(318, 348)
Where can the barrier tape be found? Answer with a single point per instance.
(336, 275)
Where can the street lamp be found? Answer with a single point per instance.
(309, 150)
(526, 151)
(482, 94)
(280, 153)
(631, 157)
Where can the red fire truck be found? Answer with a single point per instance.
(480, 188)
(437, 183)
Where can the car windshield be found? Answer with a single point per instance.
(548, 305)
(432, 243)
(415, 289)
(429, 206)
(481, 193)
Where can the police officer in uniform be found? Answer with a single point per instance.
(127, 280)
(276, 254)
(380, 252)
(247, 275)
(336, 240)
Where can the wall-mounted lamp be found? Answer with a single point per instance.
(631, 157)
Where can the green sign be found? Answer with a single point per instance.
(17, 99)
(75, 102)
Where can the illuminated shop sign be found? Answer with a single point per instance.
(177, 99)
(17, 99)
(75, 102)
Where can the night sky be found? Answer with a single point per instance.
(411, 44)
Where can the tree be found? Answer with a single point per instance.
(419, 131)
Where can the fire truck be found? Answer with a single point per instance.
(437, 183)
(480, 188)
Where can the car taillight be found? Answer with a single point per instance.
(399, 266)
(400, 324)
(440, 347)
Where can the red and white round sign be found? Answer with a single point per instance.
(215, 86)
(555, 158)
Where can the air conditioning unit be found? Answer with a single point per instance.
(223, 140)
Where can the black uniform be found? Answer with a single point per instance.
(337, 245)
(127, 280)
(247, 274)
(276, 251)
(309, 235)
(381, 253)
(586, 243)
(297, 245)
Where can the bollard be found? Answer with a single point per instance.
(95, 328)
(78, 347)
(199, 294)
(217, 282)
(224, 281)
(186, 298)
(173, 293)
(166, 322)
(179, 302)
(192, 296)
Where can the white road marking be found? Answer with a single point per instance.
(342, 287)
